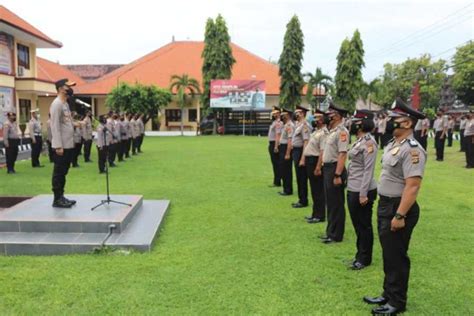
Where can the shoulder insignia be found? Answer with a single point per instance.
(413, 143)
(367, 137)
(343, 136)
(415, 156)
(370, 148)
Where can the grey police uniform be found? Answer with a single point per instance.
(62, 131)
(440, 124)
(462, 127)
(361, 183)
(337, 142)
(274, 130)
(400, 161)
(102, 146)
(469, 143)
(112, 146)
(77, 143)
(312, 153)
(87, 136)
(34, 128)
(302, 133)
(11, 140)
(141, 131)
(285, 165)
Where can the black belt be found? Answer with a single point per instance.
(387, 198)
(329, 163)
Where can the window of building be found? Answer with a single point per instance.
(192, 115)
(25, 108)
(173, 115)
(23, 56)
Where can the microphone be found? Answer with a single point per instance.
(87, 105)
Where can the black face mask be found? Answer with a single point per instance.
(69, 92)
(13, 119)
(326, 120)
(391, 126)
(355, 127)
(314, 123)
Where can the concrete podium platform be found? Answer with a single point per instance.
(34, 227)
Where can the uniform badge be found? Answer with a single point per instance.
(343, 137)
(370, 148)
(415, 156)
(395, 151)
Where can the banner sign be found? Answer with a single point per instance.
(6, 105)
(238, 94)
(6, 54)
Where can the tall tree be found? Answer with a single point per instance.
(217, 56)
(316, 81)
(350, 62)
(183, 85)
(290, 63)
(463, 78)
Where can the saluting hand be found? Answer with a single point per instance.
(397, 224)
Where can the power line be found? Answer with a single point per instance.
(430, 28)
(418, 40)
(450, 49)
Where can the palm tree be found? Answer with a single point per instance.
(183, 85)
(369, 91)
(317, 81)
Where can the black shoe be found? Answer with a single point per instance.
(10, 171)
(356, 265)
(323, 237)
(329, 241)
(72, 202)
(61, 204)
(112, 165)
(377, 300)
(299, 205)
(274, 186)
(284, 193)
(386, 309)
(102, 172)
(75, 166)
(315, 220)
(308, 217)
(88, 161)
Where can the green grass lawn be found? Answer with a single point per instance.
(231, 245)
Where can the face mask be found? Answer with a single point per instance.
(314, 124)
(13, 119)
(355, 127)
(391, 126)
(69, 92)
(326, 119)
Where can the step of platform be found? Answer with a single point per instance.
(36, 215)
(138, 235)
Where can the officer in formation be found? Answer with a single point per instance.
(335, 174)
(451, 123)
(361, 186)
(299, 141)
(462, 127)
(87, 135)
(134, 134)
(141, 131)
(469, 140)
(313, 162)
(441, 129)
(62, 142)
(113, 141)
(78, 132)
(382, 123)
(274, 133)
(421, 132)
(126, 134)
(103, 141)
(403, 165)
(34, 128)
(11, 140)
(284, 150)
(120, 129)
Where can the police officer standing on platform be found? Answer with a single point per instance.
(403, 165)
(34, 127)
(87, 136)
(335, 175)
(274, 133)
(284, 150)
(11, 140)
(62, 130)
(361, 186)
(300, 141)
(313, 161)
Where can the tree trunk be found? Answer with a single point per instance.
(182, 120)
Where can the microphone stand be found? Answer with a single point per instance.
(108, 200)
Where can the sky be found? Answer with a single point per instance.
(120, 31)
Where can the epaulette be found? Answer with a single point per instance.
(367, 137)
(391, 141)
(412, 142)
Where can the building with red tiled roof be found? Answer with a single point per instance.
(92, 72)
(51, 71)
(21, 82)
(177, 58)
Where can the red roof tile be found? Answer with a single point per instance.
(183, 57)
(51, 71)
(15, 21)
